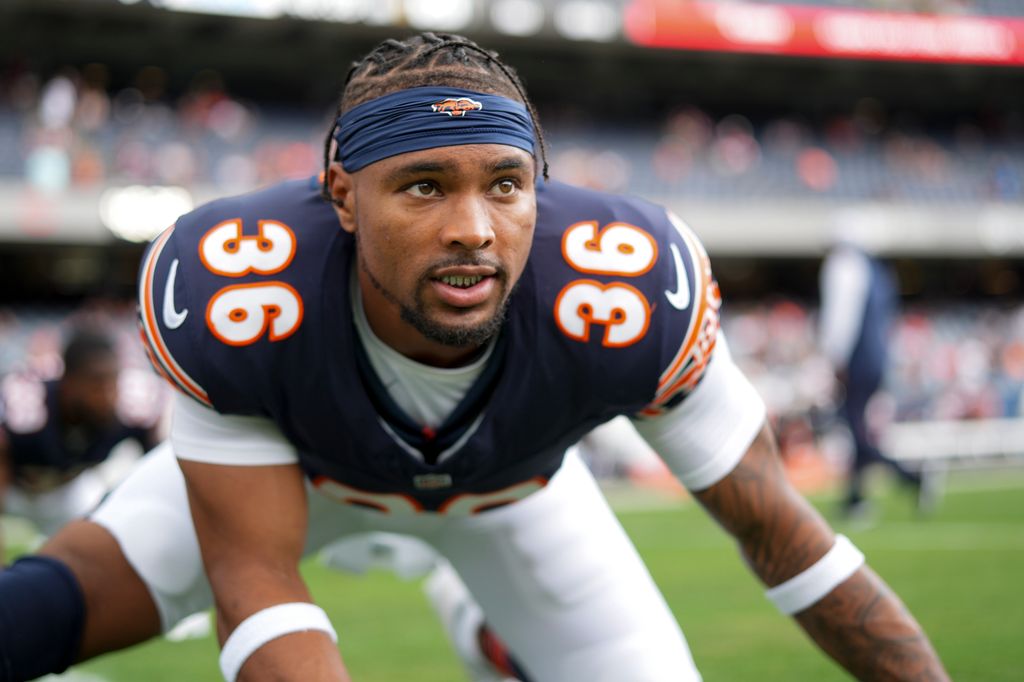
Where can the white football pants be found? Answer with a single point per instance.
(555, 573)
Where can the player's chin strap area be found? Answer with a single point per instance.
(266, 625)
(810, 586)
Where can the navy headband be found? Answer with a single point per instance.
(425, 118)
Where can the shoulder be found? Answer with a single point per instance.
(141, 400)
(558, 202)
(286, 214)
(238, 272)
(24, 408)
(609, 234)
(631, 282)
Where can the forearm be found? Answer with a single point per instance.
(866, 629)
(860, 622)
(251, 545)
(243, 589)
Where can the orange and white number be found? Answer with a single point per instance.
(241, 314)
(386, 503)
(466, 504)
(472, 503)
(225, 251)
(618, 250)
(619, 307)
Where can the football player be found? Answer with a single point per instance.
(53, 433)
(411, 344)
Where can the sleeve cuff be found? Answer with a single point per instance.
(703, 438)
(200, 434)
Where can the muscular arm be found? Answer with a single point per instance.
(861, 623)
(251, 524)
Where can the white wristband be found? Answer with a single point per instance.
(806, 588)
(270, 623)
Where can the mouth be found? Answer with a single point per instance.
(464, 286)
(462, 281)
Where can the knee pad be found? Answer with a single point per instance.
(42, 612)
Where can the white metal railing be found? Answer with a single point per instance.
(956, 443)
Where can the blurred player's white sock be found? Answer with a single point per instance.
(930, 490)
(407, 557)
(196, 626)
(462, 618)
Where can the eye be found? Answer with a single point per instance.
(505, 187)
(422, 189)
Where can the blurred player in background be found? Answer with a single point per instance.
(54, 433)
(404, 387)
(859, 305)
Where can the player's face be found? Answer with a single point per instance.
(92, 391)
(443, 236)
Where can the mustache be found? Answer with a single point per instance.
(467, 261)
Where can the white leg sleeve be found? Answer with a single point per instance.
(564, 587)
(148, 515)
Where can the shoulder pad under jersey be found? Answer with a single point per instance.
(635, 276)
(232, 274)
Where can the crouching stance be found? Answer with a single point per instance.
(411, 344)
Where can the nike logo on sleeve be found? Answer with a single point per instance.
(680, 298)
(172, 318)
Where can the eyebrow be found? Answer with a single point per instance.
(508, 163)
(402, 172)
(418, 168)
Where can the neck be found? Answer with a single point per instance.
(386, 322)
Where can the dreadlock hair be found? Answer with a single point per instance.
(429, 59)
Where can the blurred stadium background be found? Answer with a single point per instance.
(762, 123)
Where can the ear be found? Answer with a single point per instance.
(339, 184)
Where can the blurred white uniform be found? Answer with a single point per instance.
(50, 510)
(588, 611)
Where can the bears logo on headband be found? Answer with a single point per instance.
(408, 121)
(456, 106)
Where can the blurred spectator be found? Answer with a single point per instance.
(75, 130)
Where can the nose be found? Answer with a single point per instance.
(469, 227)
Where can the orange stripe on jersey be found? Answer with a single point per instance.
(702, 270)
(700, 353)
(690, 377)
(152, 358)
(151, 330)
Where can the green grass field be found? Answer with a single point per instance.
(961, 572)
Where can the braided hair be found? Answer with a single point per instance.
(423, 60)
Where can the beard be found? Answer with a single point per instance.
(456, 336)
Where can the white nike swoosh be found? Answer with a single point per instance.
(172, 318)
(680, 298)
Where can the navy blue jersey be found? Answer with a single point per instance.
(245, 307)
(43, 449)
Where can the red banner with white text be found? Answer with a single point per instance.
(822, 32)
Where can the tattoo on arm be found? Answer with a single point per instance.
(779, 532)
(861, 623)
(864, 626)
